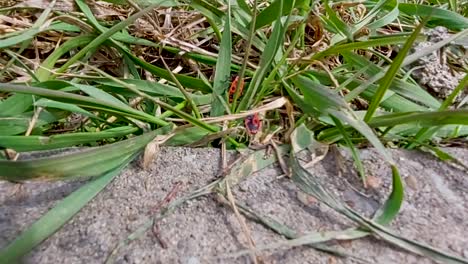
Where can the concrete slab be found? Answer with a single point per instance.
(203, 231)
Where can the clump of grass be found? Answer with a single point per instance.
(326, 71)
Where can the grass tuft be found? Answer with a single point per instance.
(334, 72)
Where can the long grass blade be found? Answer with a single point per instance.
(222, 72)
(82, 164)
(34, 143)
(386, 81)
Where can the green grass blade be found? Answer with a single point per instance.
(174, 110)
(250, 41)
(270, 14)
(83, 101)
(212, 14)
(15, 105)
(189, 118)
(18, 124)
(387, 19)
(44, 71)
(122, 36)
(410, 91)
(392, 205)
(223, 70)
(274, 44)
(314, 240)
(210, 7)
(321, 97)
(422, 119)
(460, 36)
(426, 133)
(20, 63)
(320, 100)
(103, 37)
(307, 183)
(46, 103)
(337, 49)
(252, 163)
(28, 34)
(371, 14)
(34, 143)
(453, 5)
(187, 81)
(408, 244)
(354, 151)
(162, 3)
(96, 93)
(187, 136)
(336, 25)
(205, 59)
(439, 16)
(151, 88)
(86, 163)
(394, 102)
(387, 80)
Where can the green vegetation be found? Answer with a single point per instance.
(312, 71)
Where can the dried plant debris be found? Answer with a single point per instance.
(60, 5)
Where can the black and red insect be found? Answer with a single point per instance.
(253, 124)
(232, 89)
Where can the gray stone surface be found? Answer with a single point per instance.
(204, 231)
(433, 71)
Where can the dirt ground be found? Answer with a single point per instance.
(435, 211)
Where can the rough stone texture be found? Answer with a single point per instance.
(204, 231)
(433, 71)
